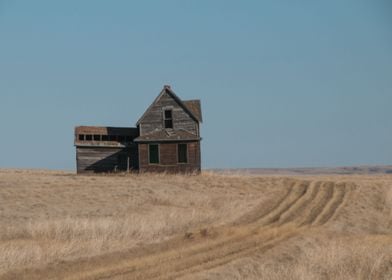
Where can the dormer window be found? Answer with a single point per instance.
(168, 118)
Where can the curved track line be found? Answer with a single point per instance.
(260, 211)
(301, 205)
(257, 247)
(229, 244)
(204, 260)
(272, 217)
(304, 203)
(333, 205)
(317, 205)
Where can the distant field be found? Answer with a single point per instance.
(349, 170)
(230, 225)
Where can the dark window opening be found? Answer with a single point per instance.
(104, 138)
(182, 153)
(168, 116)
(168, 123)
(122, 161)
(153, 153)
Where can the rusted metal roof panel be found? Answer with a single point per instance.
(106, 130)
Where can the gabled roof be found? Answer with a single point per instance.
(193, 113)
(195, 107)
(166, 135)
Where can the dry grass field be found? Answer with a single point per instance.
(56, 225)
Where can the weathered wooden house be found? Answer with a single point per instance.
(166, 139)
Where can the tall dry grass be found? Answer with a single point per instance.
(51, 217)
(351, 257)
(46, 241)
(48, 217)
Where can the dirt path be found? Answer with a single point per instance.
(305, 204)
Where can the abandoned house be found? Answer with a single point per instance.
(166, 139)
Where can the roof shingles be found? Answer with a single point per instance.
(195, 107)
(168, 135)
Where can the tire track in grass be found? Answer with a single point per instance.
(272, 217)
(305, 203)
(260, 211)
(209, 258)
(259, 246)
(177, 256)
(317, 205)
(297, 209)
(338, 197)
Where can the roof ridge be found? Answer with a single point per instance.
(168, 89)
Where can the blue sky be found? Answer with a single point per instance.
(282, 83)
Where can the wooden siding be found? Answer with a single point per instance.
(153, 119)
(169, 158)
(107, 149)
(97, 159)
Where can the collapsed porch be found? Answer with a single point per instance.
(106, 149)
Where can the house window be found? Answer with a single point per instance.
(168, 116)
(112, 137)
(182, 153)
(97, 137)
(153, 153)
(105, 138)
(89, 137)
(81, 137)
(121, 138)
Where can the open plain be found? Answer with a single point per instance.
(57, 225)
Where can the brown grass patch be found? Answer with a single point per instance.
(194, 227)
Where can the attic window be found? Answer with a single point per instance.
(168, 116)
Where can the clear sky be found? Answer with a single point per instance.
(282, 83)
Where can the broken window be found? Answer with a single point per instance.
(89, 137)
(121, 138)
(153, 150)
(81, 137)
(168, 116)
(182, 153)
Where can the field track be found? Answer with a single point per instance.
(305, 205)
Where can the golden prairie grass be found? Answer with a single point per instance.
(51, 216)
(351, 258)
(48, 218)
